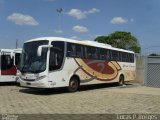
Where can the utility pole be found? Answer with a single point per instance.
(16, 43)
(59, 11)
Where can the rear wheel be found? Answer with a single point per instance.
(121, 80)
(73, 84)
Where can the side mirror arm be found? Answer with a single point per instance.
(39, 50)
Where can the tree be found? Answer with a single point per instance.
(154, 54)
(120, 39)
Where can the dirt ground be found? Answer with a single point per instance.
(101, 99)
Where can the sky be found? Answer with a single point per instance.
(23, 20)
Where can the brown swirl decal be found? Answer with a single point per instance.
(98, 69)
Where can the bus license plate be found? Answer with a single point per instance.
(28, 83)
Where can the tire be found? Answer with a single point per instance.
(73, 84)
(121, 80)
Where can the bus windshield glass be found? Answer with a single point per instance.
(31, 63)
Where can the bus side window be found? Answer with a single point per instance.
(91, 52)
(108, 54)
(131, 57)
(79, 51)
(17, 60)
(104, 54)
(124, 57)
(115, 55)
(52, 60)
(71, 50)
(56, 55)
(120, 56)
(6, 62)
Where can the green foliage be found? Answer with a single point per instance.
(154, 54)
(120, 39)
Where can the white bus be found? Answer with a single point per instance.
(9, 64)
(52, 62)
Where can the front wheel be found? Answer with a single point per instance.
(73, 85)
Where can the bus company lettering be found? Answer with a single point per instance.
(128, 66)
(99, 69)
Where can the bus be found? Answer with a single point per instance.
(9, 64)
(51, 62)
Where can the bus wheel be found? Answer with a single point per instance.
(73, 84)
(121, 80)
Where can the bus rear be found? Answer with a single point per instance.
(9, 64)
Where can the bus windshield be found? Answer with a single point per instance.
(31, 63)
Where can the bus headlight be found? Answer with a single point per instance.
(41, 77)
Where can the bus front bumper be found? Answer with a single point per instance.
(43, 83)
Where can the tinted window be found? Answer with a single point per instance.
(91, 52)
(71, 50)
(17, 59)
(79, 50)
(74, 50)
(115, 55)
(131, 57)
(104, 54)
(127, 57)
(124, 57)
(6, 62)
(56, 55)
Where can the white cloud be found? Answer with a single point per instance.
(119, 20)
(75, 37)
(132, 20)
(58, 31)
(98, 35)
(21, 19)
(78, 14)
(80, 29)
(92, 11)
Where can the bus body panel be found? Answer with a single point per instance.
(61, 77)
(7, 78)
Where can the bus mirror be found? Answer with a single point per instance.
(39, 51)
(11, 55)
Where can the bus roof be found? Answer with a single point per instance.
(19, 50)
(83, 42)
(6, 50)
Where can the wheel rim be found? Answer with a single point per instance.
(73, 84)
